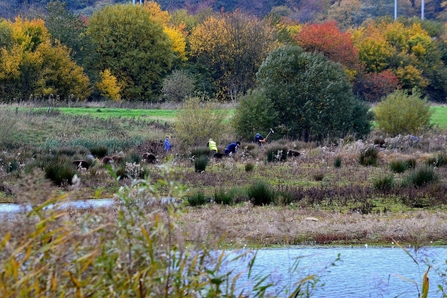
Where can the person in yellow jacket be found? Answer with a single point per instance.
(213, 147)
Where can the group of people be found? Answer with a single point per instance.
(232, 148)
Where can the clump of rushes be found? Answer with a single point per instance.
(200, 163)
(319, 176)
(369, 156)
(337, 162)
(223, 197)
(398, 166)
(99, 151)
(261, 193)
(420, 177)
(197, 199)
(383, 182)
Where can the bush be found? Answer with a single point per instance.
(200, 163)
(277, 153)
(197, 199)
(198, 121)
(254, 113)
(261, 193)
(369, 156)
(384, 183)
(420, 177)
(319, 176)
(403, 113)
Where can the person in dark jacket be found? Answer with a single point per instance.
(259, 139)
(232, 148)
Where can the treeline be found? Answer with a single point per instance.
(146, 53)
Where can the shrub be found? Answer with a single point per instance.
(261, 193)
(411, 163)
(198, 121)
(403, 113)
(60, 172)
(254, 113)
(223, 197)
(398, 166)
(99, 151)
(384, 182)
(277, 153)
(200, 163)
(369, 156)
(420, 177)
(249, 167)
(197, 199)
(337, 162)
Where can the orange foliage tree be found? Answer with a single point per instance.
(327, 39)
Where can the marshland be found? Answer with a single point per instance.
(379, 191)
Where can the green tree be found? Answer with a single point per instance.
(403, 113)
(253, 113)
(198, 121)
(312, 95)
(133, 46)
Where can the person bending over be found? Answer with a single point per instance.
(232, 148)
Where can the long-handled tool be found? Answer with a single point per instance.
(270, 132)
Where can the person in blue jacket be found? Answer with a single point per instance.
(232, 148)
(259, 139)
(168, 145)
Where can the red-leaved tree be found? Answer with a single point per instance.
(327, 39)
(373, 86)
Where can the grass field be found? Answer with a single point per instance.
(439, 117)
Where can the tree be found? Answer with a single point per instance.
(198, 121)
(344, 13)
(403, 113)
(108, 85)
(328, 40)
(233, 47)
(253, 113)
(32, 65)
(312, 95)
(133, 46)
(178, 86)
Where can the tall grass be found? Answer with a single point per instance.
(134, 251)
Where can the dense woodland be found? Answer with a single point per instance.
(172, 50)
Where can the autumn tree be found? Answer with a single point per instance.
(327, 39)
(408, 51)
(232, 47)
(311, 94)
(133, 46)
(108, 86)
(32, 65)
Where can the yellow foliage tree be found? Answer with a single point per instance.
(108, 85)
(32, 65)
(175, 33)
